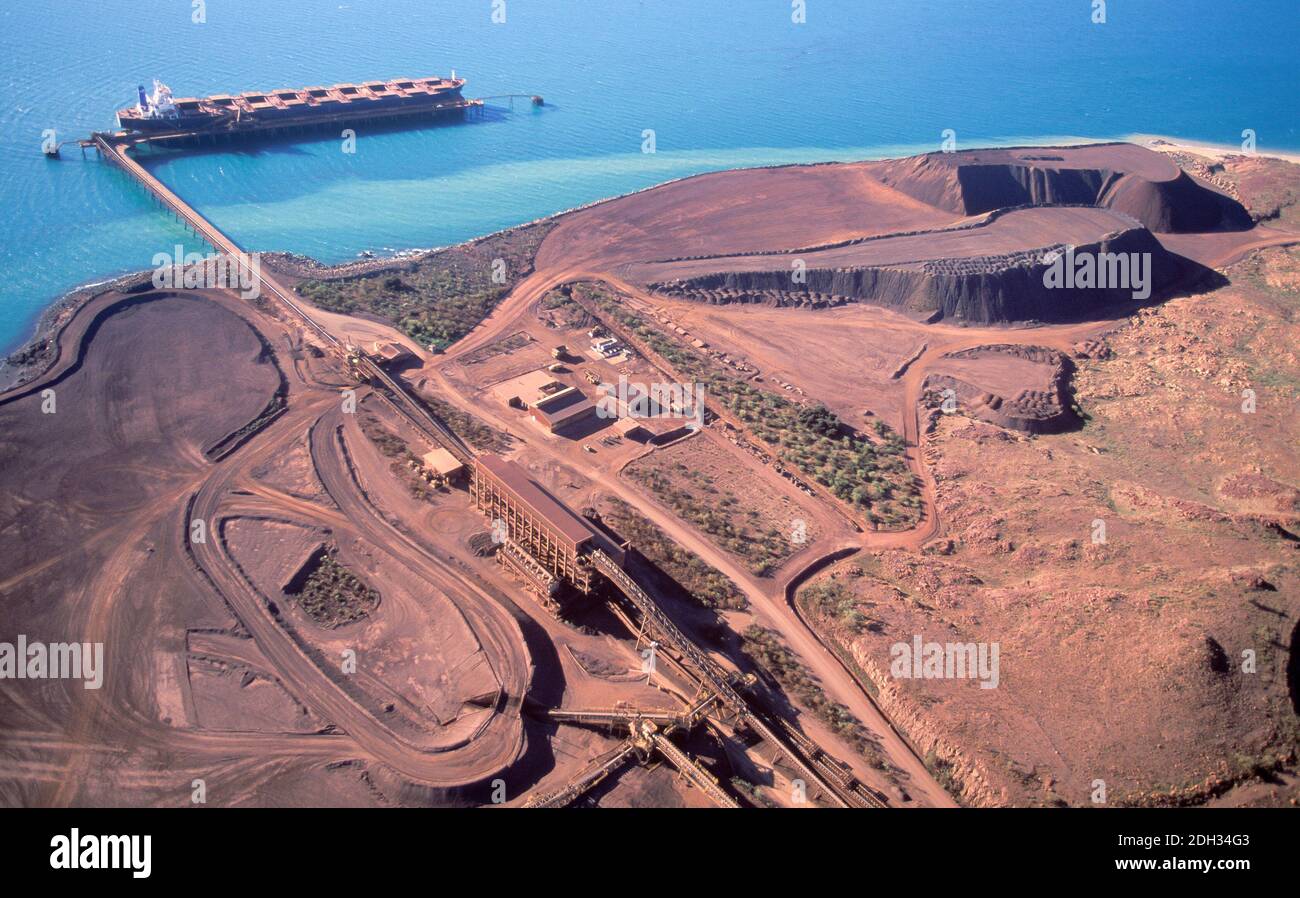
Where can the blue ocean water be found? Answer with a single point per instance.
(721, 84)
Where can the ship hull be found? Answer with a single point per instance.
(302, 108)
(163, 125)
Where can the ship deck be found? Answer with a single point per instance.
(243, 129)
(252, 112)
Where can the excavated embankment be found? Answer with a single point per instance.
(1048, 409)
(984, 289)
(1122, 178)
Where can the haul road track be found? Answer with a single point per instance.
(222, 570)
(138, 562)
(222, 492)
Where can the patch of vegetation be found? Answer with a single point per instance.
(405, 464)
(440, 297)
(830, 601)
(557, 299)
(1267, 375)
(942, 772)
(838, 646)
(557, 309)
(477, 433)
(1239, 769)
(752, 793)
(1273, 197)
(771, 654)
(333, 596)
(388, 443)
(869, 474)
(702, 583)
(692, 496)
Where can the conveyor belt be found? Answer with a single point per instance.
(589, 777)
(715, 677)
(693, 772)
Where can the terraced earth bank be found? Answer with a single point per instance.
(965, 236)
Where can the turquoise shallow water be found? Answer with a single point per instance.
(722, 84)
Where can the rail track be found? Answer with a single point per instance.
(817, 768)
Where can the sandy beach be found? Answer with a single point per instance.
(1165, 144)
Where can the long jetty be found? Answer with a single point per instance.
(816, 768)
(116, 153)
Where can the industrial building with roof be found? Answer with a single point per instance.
(553, 404)
(390, 352)
(566, 408)
(441, 462)
(544, 540)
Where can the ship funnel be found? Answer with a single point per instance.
(144, 100)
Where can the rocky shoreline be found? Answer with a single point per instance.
(34, 357)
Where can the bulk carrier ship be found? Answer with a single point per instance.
(160, 115)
